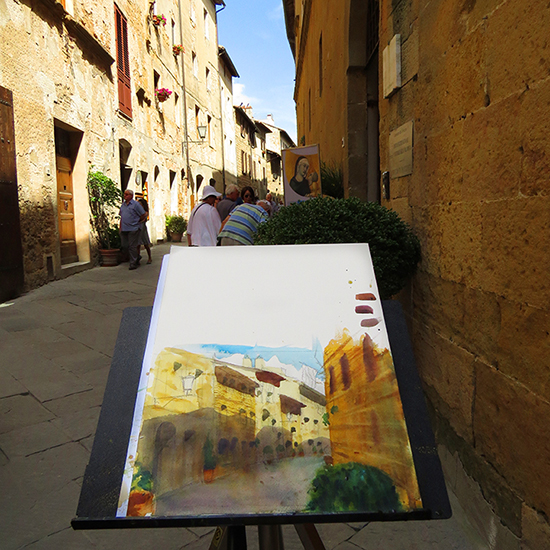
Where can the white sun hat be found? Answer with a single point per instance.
(209, 191)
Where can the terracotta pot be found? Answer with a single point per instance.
(176, 237)
(110, 257)
(208, 476)
(140, 503)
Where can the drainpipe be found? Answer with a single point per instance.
(185, 143)
(221, 103)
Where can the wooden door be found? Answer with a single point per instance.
(11, 250)
(65, 209)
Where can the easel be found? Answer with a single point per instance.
(233, 537)
(101, 485)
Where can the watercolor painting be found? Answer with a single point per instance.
(277, 413)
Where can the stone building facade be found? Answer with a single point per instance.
(82, 78)
(227, 72)
(471, 80)
(248, 148)
(277, 139)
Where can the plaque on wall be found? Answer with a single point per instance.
(401, 151)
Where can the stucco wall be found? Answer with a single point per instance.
(322, 115)
(476, 86)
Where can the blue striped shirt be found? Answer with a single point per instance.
(243, 223)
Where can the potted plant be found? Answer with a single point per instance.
(209, 461)
(158, 20)
(175, 227)
(177, 49)
(104, 198)
(141, 500)
(162, 94)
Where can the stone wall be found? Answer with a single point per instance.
(321, 79)
(475, 83)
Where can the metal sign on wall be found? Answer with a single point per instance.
(401, 151)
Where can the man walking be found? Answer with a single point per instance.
(204, 222)
(132, 215)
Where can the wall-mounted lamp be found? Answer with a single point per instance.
(201, 130)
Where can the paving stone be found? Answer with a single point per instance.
(84, 362)
(142, 539)
(32, 439)
(41, 313)
(52, 382)
(126, 297)
(40, 335)
(97, 332)
(21, 410)
(78, 425)
(65, 539)
(69, 310)
(50, 514)
(19, 323)
(332, 534)
(17, 358)
(419, 535)
(55, 350)
(76, 402)
(41, 473)
(9, 385)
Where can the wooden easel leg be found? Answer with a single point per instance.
(270, 537)
(309, 536)
(229, 537)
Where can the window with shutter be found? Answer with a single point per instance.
(123, 64)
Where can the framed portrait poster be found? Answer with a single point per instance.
(301, 173)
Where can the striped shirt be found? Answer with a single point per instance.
(243, 223)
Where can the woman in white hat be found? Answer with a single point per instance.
(204, 222)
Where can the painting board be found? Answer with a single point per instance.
(258, 398)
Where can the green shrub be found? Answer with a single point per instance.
(352, 487)
(394, 248)
(104, 198)
(332, 180)
(176, 224)
(142, 479)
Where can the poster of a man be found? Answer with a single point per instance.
(301, 167)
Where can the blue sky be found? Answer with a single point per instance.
(253, 33)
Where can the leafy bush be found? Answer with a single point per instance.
(394, 248)
(332, 180)
(176, 224)
(104, 198)
(142, 479)
(352, 487)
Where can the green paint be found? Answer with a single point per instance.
(352, 487)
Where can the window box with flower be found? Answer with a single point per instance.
(158, 20)
(162, 94)
(177, 49)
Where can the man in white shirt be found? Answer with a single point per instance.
(204, 223)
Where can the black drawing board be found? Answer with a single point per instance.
(98, 502)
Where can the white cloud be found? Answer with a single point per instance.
(239, 96)
(276, 13)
